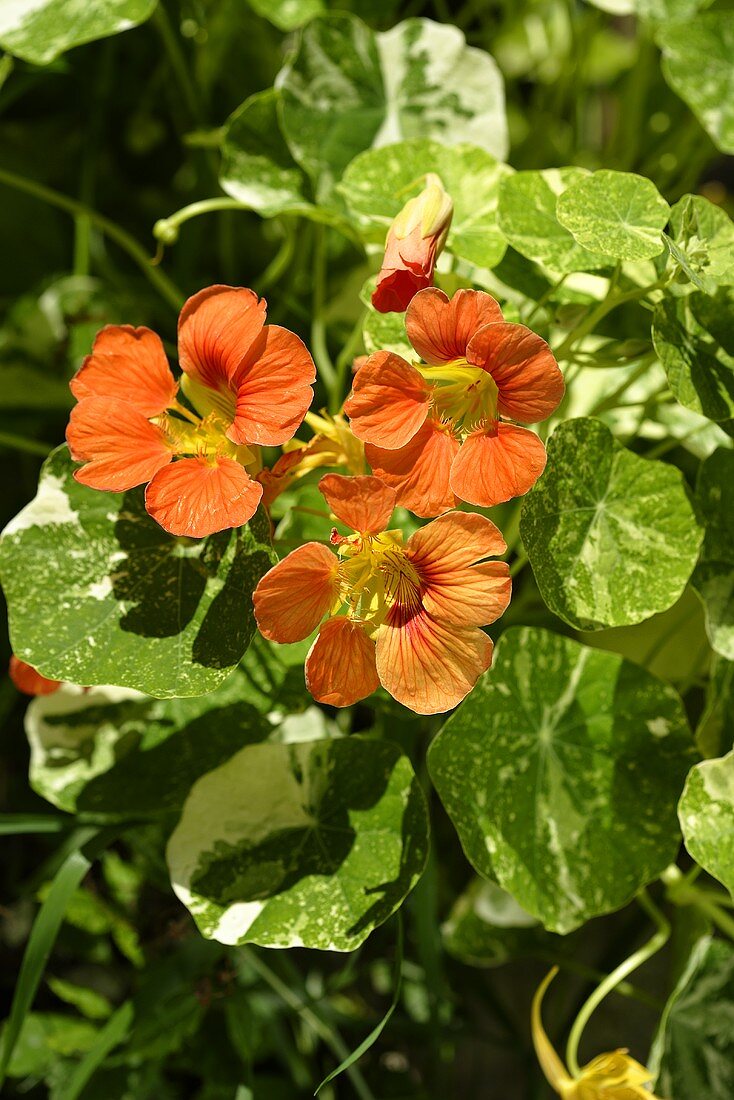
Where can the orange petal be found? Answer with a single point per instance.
(389, 400)
(273, 389)
(217, 329)
(497, 465)
(420, 471)
(440, 329)
(120, 448)
(524, 368)
(363, 503)
(30, 682)
(455, 588)
(293, 597)
(340, 667)
(406, 269)
(430, 666)
(198, 496)
(128, 364)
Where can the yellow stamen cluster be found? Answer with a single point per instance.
(375, 574)
(463, 394)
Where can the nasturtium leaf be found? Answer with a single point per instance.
(697, 65)
(617, 214)
(701, 242)
(661, 11)
(612, 537)
(561, 773)
(379, 182)
(715, 729)
(487, 927)
(39, 30)
(311, 844)
(46, 1037)
(706, 813)
(288, 15)
(385, 331)
(713, 578)
(98, 593)
(693, 1051)
(347, 89)
(527, 217)
(257, 167)
(694, 338)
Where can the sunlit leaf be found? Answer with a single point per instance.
(714, 575)
(617, 214)
(287, 15)
(697, 64)
(561, 773)
(694, 339)
(40, 30)
(706, 814)
(701, 242)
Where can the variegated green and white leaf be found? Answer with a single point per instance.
(713, 578)
(39, 30)
(706, 814)
(697, 65)
(617, 214)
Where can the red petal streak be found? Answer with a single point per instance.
(30, 682)
(130, 365)
(293, 597)
(494, 466)
(440, 329)
(273, 390)
(420, 471)
(363, 503)
(217, 329)
(120, 448)
(429, 666)
(340, 667)
(389, 401)
(197, 497)
(524, 368)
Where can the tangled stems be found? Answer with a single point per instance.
(681, 890)
(612, 980)
(612, 300)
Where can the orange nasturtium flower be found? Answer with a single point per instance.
(412, 611)
(250, 384)
(444, 428)
(27, 680)
(612, 1076)
(333, 444)
(414, 241)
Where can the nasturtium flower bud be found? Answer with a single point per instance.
(414, 242)
(30, 682)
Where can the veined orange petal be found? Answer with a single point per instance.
(457, 587)
(217, 329)
(389, 401)
(363, 503)
(128, 364)
(273, 389)
(119, 446)
(420, 471)
(30, 682)
(427, 665)
(406, 269)
(198, 496)
(340, 666)
(293, 597)
(523, 367)
(440, 328)
(497, 464)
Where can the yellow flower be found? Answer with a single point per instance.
(613, 1076)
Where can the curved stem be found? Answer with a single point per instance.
(617, 975)
(281, 261)
(344, 358)
(166, 229)
(166, 288)
(319, 347)
(592, 319)
(177, 61)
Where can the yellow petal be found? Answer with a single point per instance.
(555, 1072)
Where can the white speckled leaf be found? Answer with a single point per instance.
(561, 773)
(694, 339)
(617, 214)
(693, 1051)
(714, 575)
(39, 30)
(379, 182)
(612, 537)
(697, 64)
(706, 813)
(486, 927)
(701, 243)
(527, 217)
(309, 845)
(384, 331)
(98, 593)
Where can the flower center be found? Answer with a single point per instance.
(375, 575)
(464, 394)
(205, 437)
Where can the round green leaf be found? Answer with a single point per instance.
(694, 339)
(379, 182)
(288, 15)
(714, 575)
(98, 593)
(612, 537)
(527, 217)
(706, 813)
(697, 64)
(617, 214)
(561, 772)
(309, 845)
(39, 30)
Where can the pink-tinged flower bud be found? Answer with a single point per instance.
(414, 242)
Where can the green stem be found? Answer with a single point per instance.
(617, 975)
(319, 347)
(281, 261)
(30, 446)
(681, 891)
(610, 402)
(166, 288)
(344, 359)
(166, 229)
(177, 61)
(544, 298)
(592, 319)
